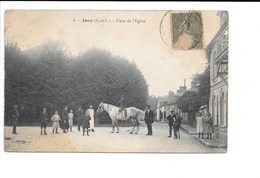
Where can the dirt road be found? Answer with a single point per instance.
(102, 140)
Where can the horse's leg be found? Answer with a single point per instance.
(179, 133)
(133, 129)
(117, 127)
(113, 126)
(137, 127)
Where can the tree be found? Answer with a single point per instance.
(193, 99)
(189, 101)
(153, 101)
(46, 77)
(100, 76)
(203, 82)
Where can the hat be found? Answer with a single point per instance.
(148, 106)
(171, 111)
(44, 108)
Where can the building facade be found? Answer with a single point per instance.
(164, 109)
(168, 104)
(217, 55)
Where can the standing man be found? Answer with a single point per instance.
(148, 118)
(91, 114)
(65, 119)
(14, 115)
(171, 121)
(79, 115)
(178, 125)
(44, 119)
(121, 104)
(85, 123)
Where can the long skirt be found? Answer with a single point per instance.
(85, 124)
(70, 122)
(91, 123)
(200, 127)
(209, 128)
(64, 124)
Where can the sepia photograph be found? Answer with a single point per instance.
(116, 81)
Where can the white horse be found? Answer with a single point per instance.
(132, 113)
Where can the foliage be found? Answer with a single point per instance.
(51, 79)
(152, 101)
(203, 81)
(195, 98)
(189, 101)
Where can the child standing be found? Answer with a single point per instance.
(85, 123)
(209, 127)
(55, 122)
(44, 118)
(70, 115)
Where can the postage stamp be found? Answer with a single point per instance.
(187, 30)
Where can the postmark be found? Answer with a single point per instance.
(187, 30)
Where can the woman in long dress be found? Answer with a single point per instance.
(70, 116)
(200, 123)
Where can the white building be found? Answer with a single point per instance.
(217, 54)
(168, 104)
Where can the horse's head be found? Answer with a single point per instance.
(100, 107)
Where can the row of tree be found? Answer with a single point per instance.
(47, 77)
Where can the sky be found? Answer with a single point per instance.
(140, 36)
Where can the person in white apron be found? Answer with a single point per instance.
(70, 115)
(91, 114)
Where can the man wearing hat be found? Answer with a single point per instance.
(171, 121)
(121, 104)
(44, 119)
(148, 118)
(65, 119)
(79, 115)
(14, 114)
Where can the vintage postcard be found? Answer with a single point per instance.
(116, 81)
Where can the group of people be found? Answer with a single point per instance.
(86, 121)
(65, 121)
(205, 125)
(174, 121)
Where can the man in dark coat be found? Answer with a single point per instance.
(14, 115)
(44, 117)
(121, 104)
(171, 121)
(79, 115)
(65, 119)
(149, 118)
(85, 123)
(177, 126)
